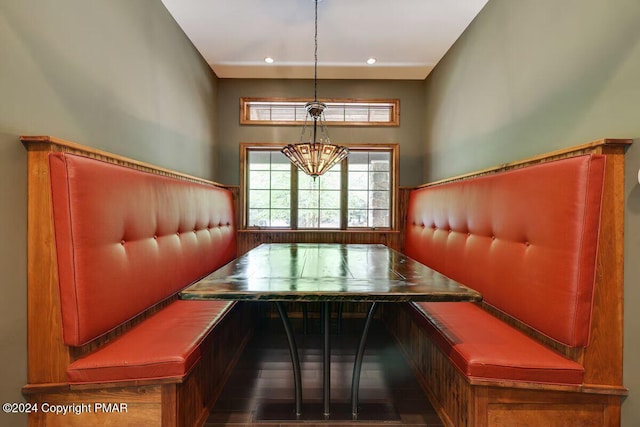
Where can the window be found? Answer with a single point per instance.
(369, 190)
(270, 189)
(346, 112)
(357, 193)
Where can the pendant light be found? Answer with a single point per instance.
(314, 154)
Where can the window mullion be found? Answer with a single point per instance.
(344, 193)
(294, 197)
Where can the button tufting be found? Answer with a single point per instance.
(122, 242)
(155, 237)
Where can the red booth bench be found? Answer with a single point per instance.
(111, 243)
(542, 241)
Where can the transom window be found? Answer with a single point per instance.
(359, 192)
(343, 112)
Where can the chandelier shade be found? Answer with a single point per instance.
(314, 154)
(315, 158)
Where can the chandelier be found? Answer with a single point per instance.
(314, 154)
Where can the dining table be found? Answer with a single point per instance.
(326, 273)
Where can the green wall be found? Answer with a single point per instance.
(408, 134)
(118, 75)
(531, 76)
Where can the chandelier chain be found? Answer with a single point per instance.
(315, 68)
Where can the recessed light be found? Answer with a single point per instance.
(268, 60)
(371, 61)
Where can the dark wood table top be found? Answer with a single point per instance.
(327, 272)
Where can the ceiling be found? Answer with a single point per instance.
(407, 37)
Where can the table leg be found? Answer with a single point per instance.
(357, 366)
(305, 318)
(339, 318)
(326, 359)
(293, 351)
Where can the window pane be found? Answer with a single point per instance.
(330, 180)
(334, 114)
(357, 218)
(282, 113)
(330, 199)
(280, 218)
(379, 180)
(259, 179)
(301, 114)
(280, 162)
(380, 161)
(379, 114)
(357, 199)
(308, 218)
(308, 199)
(306, 182)
(379, 218)
(260, 112)
(258, 160)
(258, 217)
(259, 198)
(330, 218)
(379, 200)
(353, 114)
(380, 156)
(358, 161)
(280, 199)
(358, 180)
(280, 180)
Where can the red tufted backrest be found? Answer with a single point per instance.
(127, 239)
(526, 239)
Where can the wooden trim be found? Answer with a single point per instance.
(47, 355)
(603, 356)
(603, 146)
(394, 121)
(50, 144)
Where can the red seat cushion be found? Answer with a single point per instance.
(166, 345)
(483, 346)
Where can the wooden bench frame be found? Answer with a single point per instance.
(184, 402)
(464, 402)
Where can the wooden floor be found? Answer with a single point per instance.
(260, 390)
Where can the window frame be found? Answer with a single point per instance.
(394, 105)
(392, 149)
